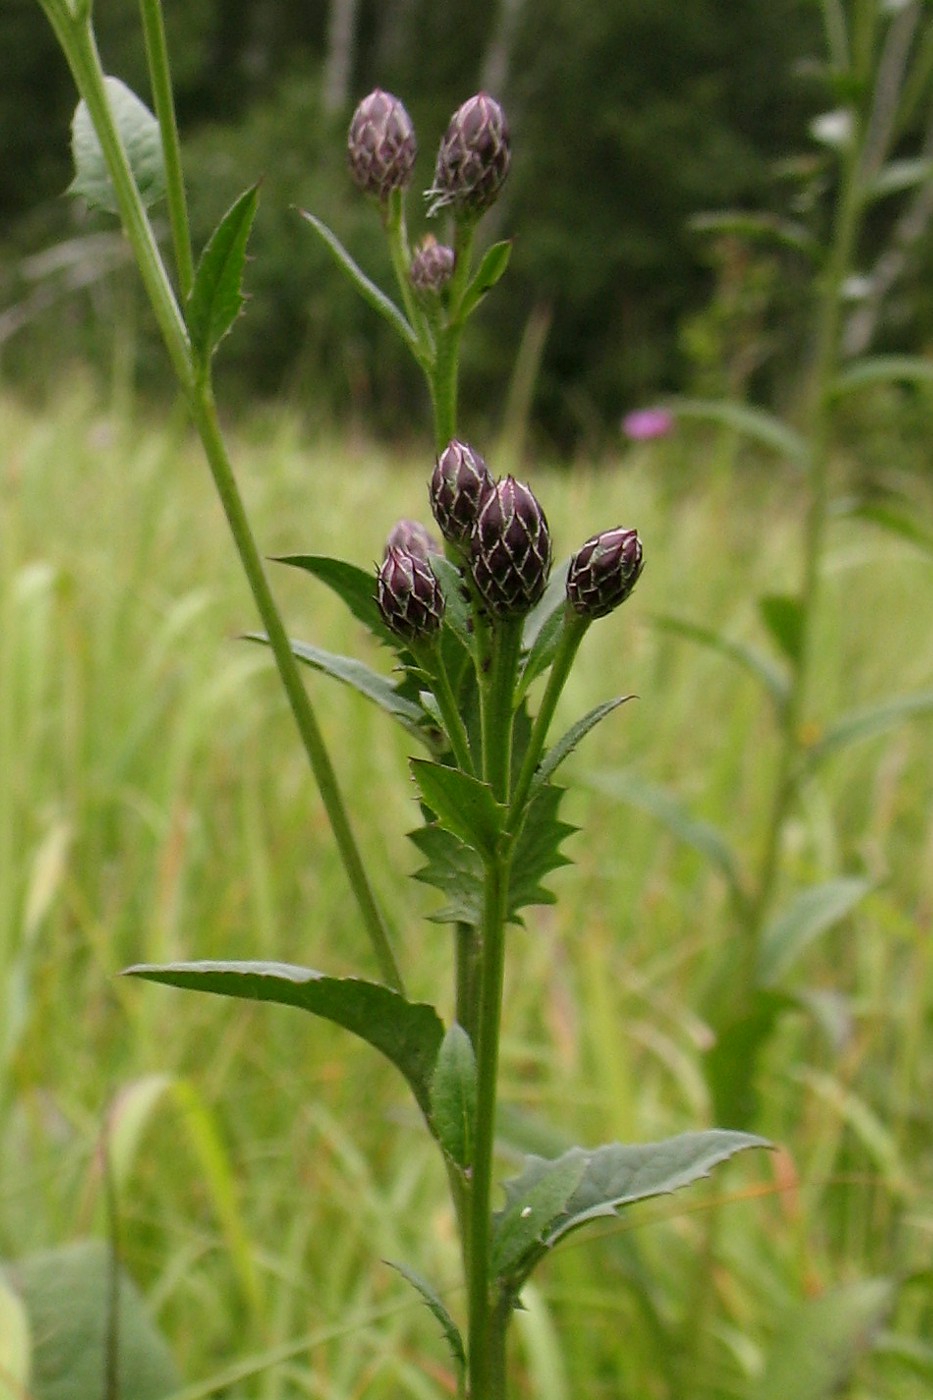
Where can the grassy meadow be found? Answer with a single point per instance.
(154, 804)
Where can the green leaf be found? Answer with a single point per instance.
(463, 805)
(762, 228)
(822, 1340)
(362, 678)
(15, 1344)
(884, 369)
(701, 836)
(437, 1307)
(551, 601)
(542, 633)
(763, 428)
(560, 1195)
(809, 914)
(354, 586)
(569, 741)
(69, 1296)
(455, 870)
(753, 661)
(492, 265)
(783, 617)
(141, 139)
(456, 608)
(864, 724)
(407, 1033)
(537, 851)
(900, 175)
(367, 289)
(217, 298)
(453, 1096)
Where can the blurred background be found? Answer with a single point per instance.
(632, 123)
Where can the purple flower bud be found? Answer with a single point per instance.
(409, 595)
(473, 159)
(411, 537)
(604, 571)
(510, 549)
(432, 265)
(381, 145)
(459, 484)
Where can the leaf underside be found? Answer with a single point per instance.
(142, 144)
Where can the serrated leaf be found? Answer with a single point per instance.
(492, 265)
(407, 1033)
(436, 1306)
(453, 1096)
(537, 851)
(569, 741)
(822, 1340)
(753, 661)
(69, 1295)
(701, 836)
(217, 298)
(361, 678)
(141, 140)
(455, 870)
(596, 1184)
(809, 914)
(884, 369)
(367, 289)
(353, 586)
(783, 617)
(864, 724)
(763, 428)
(463, 805)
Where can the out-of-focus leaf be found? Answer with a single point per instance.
(141, 140)
(783, 617)
(754, 423)
(864, 724)
(900, 175)
(822, 1340)
(884, 369)
(730, 1065)
(762, 228)
(896, 522)
(407, 1033)
(15, 1344)
(809, 914)
(753, 661)
(552, 1198)
(216, 298)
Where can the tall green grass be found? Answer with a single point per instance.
(154, 804)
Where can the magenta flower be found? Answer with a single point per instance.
(646, 423)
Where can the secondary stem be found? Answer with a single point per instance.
(164, 101)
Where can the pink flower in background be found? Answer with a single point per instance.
(646, 423)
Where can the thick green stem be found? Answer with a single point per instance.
(444, 375)
(496, 702)
(164, 100)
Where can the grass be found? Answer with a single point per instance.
(154, 804)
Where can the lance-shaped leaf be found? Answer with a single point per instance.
(560, 1195)
(763, 428)
(453, 1096)
(216, 298)
(354, 586)
(436, 1305)
(753, 661)
(361, 678)
(864, 724)
(569, 741)
(407, 1033)
(367, 289)
(492, 265)
(463, 805)
(141, 140)
(809, 914)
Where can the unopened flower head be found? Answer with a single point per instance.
(473, 159)
(409, 595)
(381, 145)
(432, 265)
(604, 571)
(460, 482)
(412, 537)
(510, 549)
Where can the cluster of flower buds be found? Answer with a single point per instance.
(381, 145)
(432, 266)
(604, 571)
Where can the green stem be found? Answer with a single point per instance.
(444, 377)
(400, 253)
(574, 630)
(431, 661)
(496, 707)
(161, 79)
(205, 417)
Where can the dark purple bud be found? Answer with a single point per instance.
(412, 538)
(604, 571)
(381, 145)
(473, 159)
(409, 595)
(459, 484)
(432, 265)
(510, 549)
